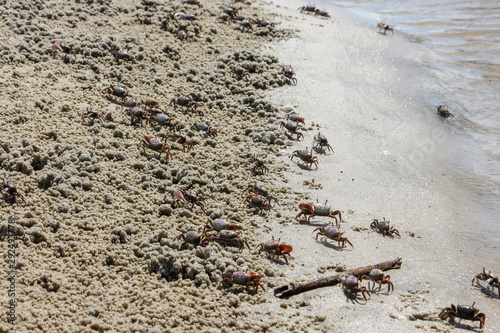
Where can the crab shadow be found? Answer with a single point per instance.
(468, 327)
(327, 244)
(321, 151)
(487, 291)
(305, 167)
(236, 290)
(354, 298)
(152, 157)
(290, 137)
(315, 223)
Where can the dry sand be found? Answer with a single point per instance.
(98, 248)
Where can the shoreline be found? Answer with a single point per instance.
(99, 247)
(437, 219)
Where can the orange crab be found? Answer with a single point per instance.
(275, 248)
(319, 209)
(249, 279)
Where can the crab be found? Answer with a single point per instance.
(115, 91)
(333, 233)
(275, 248)
(289, 74)
(382, 26)
(10, 189)
(222, 224)
(188, 102)
(490, 278)
(308, 9)
(193, 2)
(352, 287)
(149, 3)
(180, 139)
(165, 22)
(137, 115)
(442, 111)
(240, 72)
(246, 25)
(194, 238)
(319, 209)
(192, 198)
(292, 127)
(205, 128)
(183, 16)
(122, 55)
(258, 164)
(320, 142)
(322, 13)
(188, 196)
(377, 276)
(67, 50)
(224, 18)
(92, 115)
(263, 23)
(231, 11)
(256, 189)
(162, 119)
(384, 228)
(182, 35)
(294, 116)
(150, 142)
(260, 202)
(306, 156)
(464, 312)
(129, 102)
(249, 279)
(230, 238)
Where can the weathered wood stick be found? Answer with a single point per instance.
(331, 280)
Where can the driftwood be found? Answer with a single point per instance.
(331, 280)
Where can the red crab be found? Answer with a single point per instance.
(249, 279)
(275, 248)
(321, 209)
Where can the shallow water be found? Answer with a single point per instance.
(459, 43)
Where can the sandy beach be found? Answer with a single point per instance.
(98, 233)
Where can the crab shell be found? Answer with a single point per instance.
(244, 277)
(201, 126)
(305, 155)
(291, 126)
(227, 235)
(221, 224)
(376, 274)
(130, 102)
(271, 245)
(351, 282)
(383, 226)
(119, 91)
(162, 118)
(155, 144)
(322, 209)
(192, 237)
(332, 232)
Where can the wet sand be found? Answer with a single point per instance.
(98, 245)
